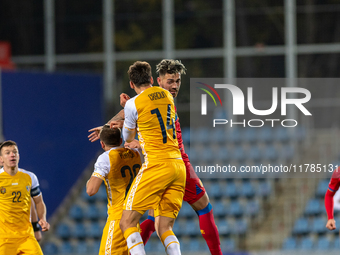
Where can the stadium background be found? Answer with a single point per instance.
(68, 67)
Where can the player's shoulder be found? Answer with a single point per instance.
(130, 105)
(103, 157)
(131, 101)
(29, 173)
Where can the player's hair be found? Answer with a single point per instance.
(170, 66)
(7, 144)
(140, 73)
(110, 136)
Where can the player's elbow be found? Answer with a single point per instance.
(90, 191)
(129, 135)
(129, 139)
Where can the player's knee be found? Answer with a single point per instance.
(164, 225)
(125, 223)
(201, 203)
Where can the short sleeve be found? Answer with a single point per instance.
(131, 115)
(102, 166)
(35, 189)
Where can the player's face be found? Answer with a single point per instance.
(10, 156)
(170, 82)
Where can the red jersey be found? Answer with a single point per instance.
(333, 186)
(190, 171)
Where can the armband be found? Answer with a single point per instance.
(36, 226)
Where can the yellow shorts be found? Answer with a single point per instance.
(113, 241)
(25, 245)
(159, 186)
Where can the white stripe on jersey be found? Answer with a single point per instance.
(108, 244)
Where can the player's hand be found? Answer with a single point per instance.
(331, 224)
(94, 136)
(123, 98)
(45, 226)
(117, 124)
(133, 145)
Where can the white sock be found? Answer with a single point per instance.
(135, 244)
(171, 245)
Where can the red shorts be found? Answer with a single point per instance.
(194, 188)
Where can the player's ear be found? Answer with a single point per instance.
(102, 144)
(132, 85)
(159, 81)
(151, 80)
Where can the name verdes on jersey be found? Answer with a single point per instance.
(157, 95)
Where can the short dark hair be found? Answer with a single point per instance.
(170, 66)
(110, 136)
(140, 73)
(7, 144)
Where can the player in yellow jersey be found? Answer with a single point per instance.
(117, 167)
(17, 186)
(160, 183)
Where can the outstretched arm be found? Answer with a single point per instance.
(118, 116)
(116, 121)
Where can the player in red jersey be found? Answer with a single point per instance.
(329, 202)
(170, 72)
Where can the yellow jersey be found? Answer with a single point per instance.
(152, 112)
(117, 168)
(15, 203)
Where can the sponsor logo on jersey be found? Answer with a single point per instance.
(28, 188)
(157, 95)
(3, 190)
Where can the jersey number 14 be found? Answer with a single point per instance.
(168, 125)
